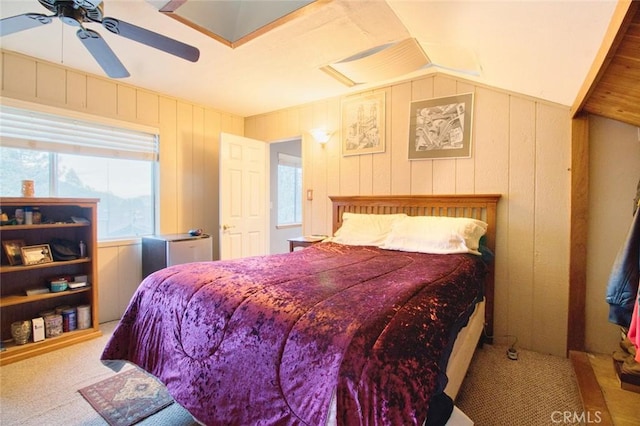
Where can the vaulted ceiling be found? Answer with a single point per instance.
(539, 48)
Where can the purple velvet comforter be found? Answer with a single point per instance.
(267, 340)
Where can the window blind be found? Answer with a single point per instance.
(21, 128)
(289, 160)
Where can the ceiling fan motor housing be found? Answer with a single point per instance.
(74, 12)
(77, 12)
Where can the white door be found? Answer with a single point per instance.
(243, 197)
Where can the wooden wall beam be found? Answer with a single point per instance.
(578, 233)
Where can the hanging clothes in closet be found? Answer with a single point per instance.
(634, 328)
(622, 295)
(622, 289)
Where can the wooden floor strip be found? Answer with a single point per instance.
(595, 406)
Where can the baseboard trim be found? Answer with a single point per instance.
(590, 392)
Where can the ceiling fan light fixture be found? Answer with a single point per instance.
(380, 63)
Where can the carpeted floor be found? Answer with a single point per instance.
(497, 391)
(535, 390)
(43, 391)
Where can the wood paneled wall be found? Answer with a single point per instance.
(189, 141)
(520, 149)
(189, 133)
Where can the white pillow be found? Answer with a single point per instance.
(436, 234)
(365, 229)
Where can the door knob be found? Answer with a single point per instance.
(225, 227)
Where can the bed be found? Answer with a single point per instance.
(346, 331)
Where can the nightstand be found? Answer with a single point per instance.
(304, 241)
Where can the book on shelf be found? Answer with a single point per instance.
(35, 291)
(77, 284)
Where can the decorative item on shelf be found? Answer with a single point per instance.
(69, 320)
(28, 216)
(83, 249)
(12, 249)
(37, 216)
(19, 215)
(35, 255)
(21, 332)
(84, 316)
(52, 325)
(58, 285)
(28, 188)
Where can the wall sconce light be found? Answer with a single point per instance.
(321, 135)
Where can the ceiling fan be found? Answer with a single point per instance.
(78, 12)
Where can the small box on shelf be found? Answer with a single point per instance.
(38, 329)
(77, 284)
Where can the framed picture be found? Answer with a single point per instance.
(363, 124)
(35, 255)
(12, 250)
(441, 127)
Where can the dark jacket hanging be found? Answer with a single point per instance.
(623, 281)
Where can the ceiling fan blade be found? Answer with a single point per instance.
(22, 22)
(152, 39)
(102, 53)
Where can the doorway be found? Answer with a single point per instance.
(243, 197)
(285, 170)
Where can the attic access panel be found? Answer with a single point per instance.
(235, 22)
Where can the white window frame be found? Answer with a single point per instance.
(68, 118)
(293, 161)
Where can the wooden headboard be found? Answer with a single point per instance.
(482, 207)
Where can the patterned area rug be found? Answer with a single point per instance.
(128, 397)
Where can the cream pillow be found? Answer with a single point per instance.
(365, 229)
(436, 234)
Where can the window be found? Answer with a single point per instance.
(289, 190)
(72, 158)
